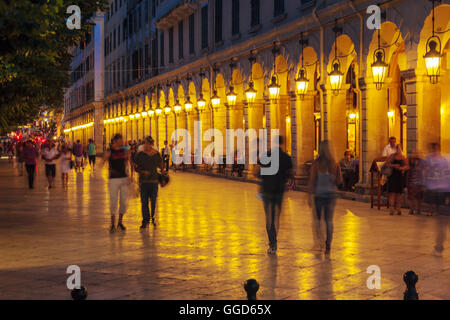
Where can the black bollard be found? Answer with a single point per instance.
(79, 294)
(410, 278)
(251, 287)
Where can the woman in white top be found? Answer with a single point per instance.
(66, 158)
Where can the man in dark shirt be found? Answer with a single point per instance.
(147, 163)
(273, 187)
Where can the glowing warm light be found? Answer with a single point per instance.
(288, 119)
(301, 83)
(188, 105)
(201, 103)
(121, 118)
(177, 108)
(158, 111)
(352, 115)
(105, 121)
(336, 77)
(131, 116)
(390, 114)
(379, 68)
(151, 113)
(137, 115)
(144, 113)
(274, 89)
(167, 109)
(433, 62)
(231, 96)
(250, 93)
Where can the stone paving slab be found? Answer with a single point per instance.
(210, 239)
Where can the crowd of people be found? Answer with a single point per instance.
(423, 178)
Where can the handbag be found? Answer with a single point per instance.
(386, 171)
(163, 179)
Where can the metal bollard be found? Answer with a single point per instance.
(79, 294)
(410, 278)
(251, 287)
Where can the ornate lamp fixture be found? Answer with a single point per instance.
(177, 107)
(231, 95)
(336, 76)
(167, 109)
(302, 82)
(274, 87)
(433, 56)
(158, 110)
(150, 113)
(201, 103)
(250, 93)
(379, 66)
(188, 105)
(215, 99)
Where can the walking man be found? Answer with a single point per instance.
(117, 158)
(78, 153)
(273, 187)
(50, 154)
(147, 163)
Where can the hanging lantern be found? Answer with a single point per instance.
(250, 93)
(274, 89)
(201, 103)
(131, 116)
(433, 60)
(433, 56)
(231, 97)
(144, 113)
(301, 83)
(167, 109)
(188, 105)
(177, 107)
(336, 77)
(379, 68)
(151, 113)
(215, 99)
(158, 111)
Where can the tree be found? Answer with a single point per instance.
(34, 56)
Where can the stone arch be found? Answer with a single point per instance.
(346, 54)
(311, 62)
(180, 94)
(171, 97)
(238, 84)
(282, 70)
(192, 92)
(258, 80)
(221, 87)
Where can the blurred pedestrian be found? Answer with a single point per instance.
(118, 159)
(19, 157)
(325, 176)
(30, 154)
(66, 160)
(147, 163)
(49, 155)
(166, 155)
(91, 154)
(272, 188)
(415, 183)
(78, 153)
(396, 180)
(390, 149)
(348, 170)
(436, 183)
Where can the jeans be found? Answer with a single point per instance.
(325, 204)
(149, 190)
(117, 185)
(272, 208)
(31, 170)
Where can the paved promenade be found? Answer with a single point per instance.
(210, 238)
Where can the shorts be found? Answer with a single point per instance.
(50, 170)
(92, 159)
(78, 160)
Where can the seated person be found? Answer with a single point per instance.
(348, 170)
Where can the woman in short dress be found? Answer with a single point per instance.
(395, 183)
(66, 158)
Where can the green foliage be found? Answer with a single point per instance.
(34, 57)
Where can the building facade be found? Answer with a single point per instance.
(169, 63)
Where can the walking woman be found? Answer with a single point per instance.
(66, 158)
(325, 176)
(396, 181)
(30, 154)
(118, 180)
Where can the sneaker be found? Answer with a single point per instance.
(121, 227)
(270, 251)
(112, 229)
